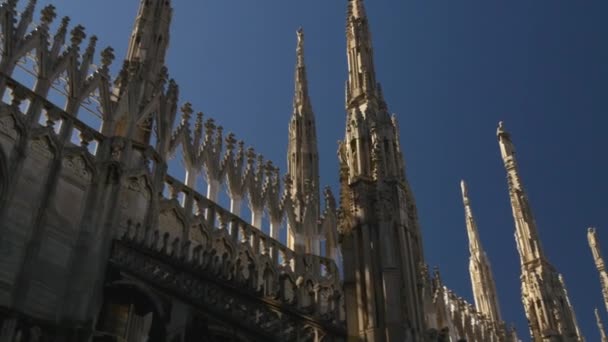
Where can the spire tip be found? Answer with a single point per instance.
(463, 187)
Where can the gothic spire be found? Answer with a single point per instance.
(600, 326)
(361, 83)
(150, 36)
(484, 287)
(474, 242)
(594, 244)
(526, 233)
(544, 296)
(379, 223)
(301, 99)
(303, 161)
(144, 73)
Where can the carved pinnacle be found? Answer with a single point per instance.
(48, 14)
(78, 35)
(186, 112)
(107, 57)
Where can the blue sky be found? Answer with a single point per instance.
(450, 70)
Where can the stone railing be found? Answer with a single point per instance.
(223, 234)
(452, 317)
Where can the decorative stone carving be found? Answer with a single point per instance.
(77, 166)
(140, 186)
(41, 147)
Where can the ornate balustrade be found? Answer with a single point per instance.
(224, 162)
(454, 318)
(228, 248)
(234, 284)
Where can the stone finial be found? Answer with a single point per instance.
(186, 112)
(78, 35)
(59, 38)
(268, 169)
(592, 237)
(64, 24)
(465, 192)
(47, 15)
(219, 140)
(230, 142)
(259, 165)
(300, 48)
(107, 57)
(250, 156)
(198, 125)
(241, 151)
(209, 128)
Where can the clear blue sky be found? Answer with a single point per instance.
(450, 70)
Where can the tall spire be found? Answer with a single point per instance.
(361, 83)
(544, 295)
(144, 73)
(377, 151)
(484, 287)
(600, 326)
(594, 244)
(526, 234)
(381, 240)
(474, 242)
(303, 162)
(150, 36)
